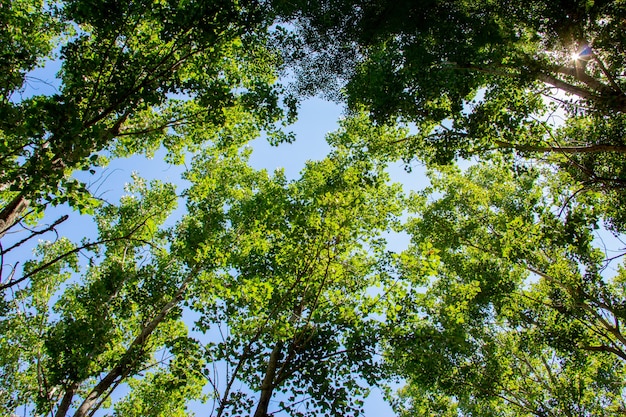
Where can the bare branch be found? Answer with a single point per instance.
(40, 268)
(35, 233)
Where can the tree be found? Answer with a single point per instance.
(284, 268)
(280, 277)
(477, 77)
(520, 315)
(134, 76)
(292, 305)
(537, 85)
(68, 343)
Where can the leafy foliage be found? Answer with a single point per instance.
(292, 305)
(269, 295)
(134, 76)
(538, 79)
(283, 268)
(519, 317)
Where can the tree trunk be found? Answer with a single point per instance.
(12, 212)
(267, 387)
(66, 402)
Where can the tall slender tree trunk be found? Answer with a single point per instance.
(267, 387)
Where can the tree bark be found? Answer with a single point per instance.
(267, 387)
(66, 401)
(12, 212)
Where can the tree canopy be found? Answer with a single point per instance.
(538, 79)
(237, 291)
(134, 76)
(521, 315)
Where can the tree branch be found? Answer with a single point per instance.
(267, 386)
(583, 77)
(124, 365)
(66, 402)
(35, 233)
(604, 348)
(11, 212)
(73, 251)
(568, 88)
(596, 148)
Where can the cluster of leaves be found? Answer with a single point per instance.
(276, 273)
(508, 304)
(293, 308)
(477, 77)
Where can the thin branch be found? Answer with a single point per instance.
(548, 369)
(223, 400)
(595, 148)
(613, 330)
(73, 251)
(569, 198)
(606, 73)
(35, 233)
(289, 406)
